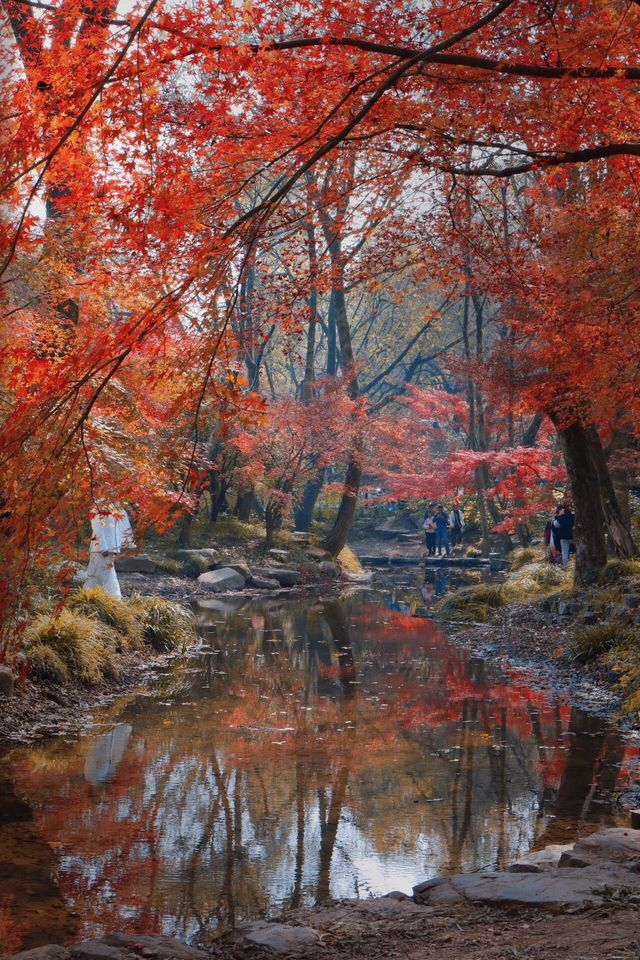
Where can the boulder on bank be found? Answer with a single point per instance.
(330, 569)
(219, 581)
(561, 887)
(264, 583)
(6, 682)
(285, 577)
(117, 946)
(141, 563)
(538, 860)
(206, 558)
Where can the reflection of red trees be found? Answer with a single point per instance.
(413, 687)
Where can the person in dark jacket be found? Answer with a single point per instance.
(442, 530)
(564, 525)
(552, 538)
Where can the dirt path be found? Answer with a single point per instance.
(373, 930)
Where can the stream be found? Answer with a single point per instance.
(325, 747)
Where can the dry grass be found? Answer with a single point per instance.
(471, 604)
(348, 561)
(592, 641)
(522, 556)
(534, 580)
(84, 646)
(165, 625)
(618, 570)
(116, 614)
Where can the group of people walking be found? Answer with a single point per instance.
(558, 534)
(438, 524)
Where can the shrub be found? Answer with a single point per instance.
(618, 569)
(519, 558)
(165, 625)
(45, 664)
(471, 603)
(349, 561)
(84, 645)
(169, 565)
(535, 580)
(119, 615)
(590, 642)
(194, 566)
(473, 552)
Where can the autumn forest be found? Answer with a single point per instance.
(278, 279)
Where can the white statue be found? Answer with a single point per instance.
(111, 533)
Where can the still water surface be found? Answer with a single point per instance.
(326, 747)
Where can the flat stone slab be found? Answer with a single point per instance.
(285, 577)
(95, 950)
(264, 583)
(560, 887)
(616, 844)
(151, 946)
(219, 581)
(49, 952)
(535, 861)
(279, 937)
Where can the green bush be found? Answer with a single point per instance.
(165, 625)
(116, 614)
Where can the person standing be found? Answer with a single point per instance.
(456, 521)
(442, 530)
(564, 524)
(429, 527)
(110, 534)
(552, 538)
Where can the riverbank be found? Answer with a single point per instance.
(580, 900)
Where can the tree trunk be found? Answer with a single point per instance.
(185, 534)
(337, 537)
(591, 547)
(244, 503)
(620, 539)
(303, 514)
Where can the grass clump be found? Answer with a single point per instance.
(45, 664)
(165, 625)
(349, 561)
(534, 580)
(471, 604)
(194, 566)
(618, 570)
(522, 556)
(116, 614)
(592, 641)
(84, 646)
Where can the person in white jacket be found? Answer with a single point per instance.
(456, 522)
(110, 534)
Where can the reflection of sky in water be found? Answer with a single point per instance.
(327, 748)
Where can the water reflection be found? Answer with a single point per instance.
(332, 748)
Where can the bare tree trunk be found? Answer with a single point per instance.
(591, 547)
(619, 534)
